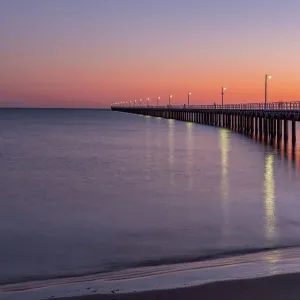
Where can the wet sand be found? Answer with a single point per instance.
(279, 287)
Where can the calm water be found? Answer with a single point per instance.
(93, 191)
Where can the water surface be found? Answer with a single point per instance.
(86, 191)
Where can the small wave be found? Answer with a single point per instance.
(211, 254)
(118, 271)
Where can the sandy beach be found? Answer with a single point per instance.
(279, 287)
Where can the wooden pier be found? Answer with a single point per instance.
(268, 122)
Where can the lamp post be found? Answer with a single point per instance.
(148, 101)
(189, 94)
(222, 93)
(158, 98)
(266, 88)
(170, 97)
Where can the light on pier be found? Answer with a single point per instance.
(222, 93)
(170, 97)
(189, 94)
(266, 88)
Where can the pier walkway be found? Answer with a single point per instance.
(268, 122)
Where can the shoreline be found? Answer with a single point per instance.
(274, 269)
(276, 287)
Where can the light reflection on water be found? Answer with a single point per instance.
(190, 152)
(273, 256)
(148, 140)
(270, 198)
(224, 148)
(171, 137)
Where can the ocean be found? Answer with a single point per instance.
(90, 192)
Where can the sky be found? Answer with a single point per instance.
(90, 53)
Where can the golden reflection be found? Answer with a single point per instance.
(224, 147)
(190, 152)
(148, 142)
(272, 258)
(270, 198)
(158, 136)
(171, 149)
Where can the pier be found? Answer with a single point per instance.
(264, 121)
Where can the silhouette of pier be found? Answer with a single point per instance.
(265, 121)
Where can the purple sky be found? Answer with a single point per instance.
(88, 53)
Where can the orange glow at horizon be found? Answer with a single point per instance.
(92, 61)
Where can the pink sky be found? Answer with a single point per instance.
(91, 53)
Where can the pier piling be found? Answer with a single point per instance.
(259, 120)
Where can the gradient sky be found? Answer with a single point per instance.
(89, 53)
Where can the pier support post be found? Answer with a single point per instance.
(260, 127)
(271, 129)
(265, 129)
(241, 124)
(293, 133)
(256, 126)
(286, 130)
(249, 126)
(274, 128)
(279, 129)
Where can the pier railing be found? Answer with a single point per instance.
(294, 105)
